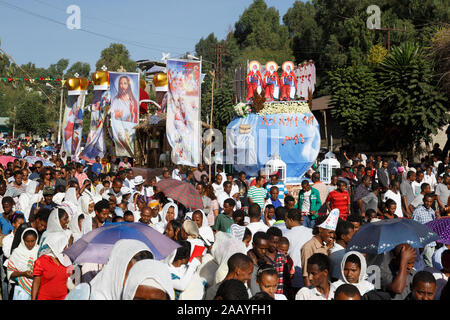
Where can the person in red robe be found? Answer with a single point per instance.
(288, 82)
(271, 81)
(254, 79)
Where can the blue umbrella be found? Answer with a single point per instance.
(384, 236)
(49, 148)
(95, 246)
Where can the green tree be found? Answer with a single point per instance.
(114, 57)
(355, 97)
(30, 115)
(82, 68)
(413, 109)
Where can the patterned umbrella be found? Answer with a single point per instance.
(385, 235)
(442, 228)
(5, 159)
(95, 246)
(32, 160)
(182, 192)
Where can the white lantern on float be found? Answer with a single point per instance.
(328, 167)
(275, 164)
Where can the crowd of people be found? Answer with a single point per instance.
(253, 239)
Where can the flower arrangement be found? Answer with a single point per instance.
(284, 107)
(242, 110)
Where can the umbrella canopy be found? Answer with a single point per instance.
(442, 228)
(5, 159)
(182, 192)
(32, 160)
(384, 236)
(49, 148)
(95, 246)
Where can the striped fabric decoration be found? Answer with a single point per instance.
(24, 282)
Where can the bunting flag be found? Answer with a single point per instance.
(183, 111)
(124, 111)
(95, 145)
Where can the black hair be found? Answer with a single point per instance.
(176, 225)
(238, 260)
(269, 206)
(390, 202)
(294, 215)
(232, 289)
(183, 252)
(273, 188)
(340, 182)
(305, 183)
(30, 232)
(226, 183)
(43, 214)
(254, 211)
(116, 218)
(375, 186)
(60, 188)
(247, 233)
(81, 217)
(239, 213)
(17, 172)
(284, 240)
(230, 202)
(265, 269)
(424, 186)
(353, 258)
(259, 178)
(17, 216)
(260, 235)
(61, 213)
(410, 174)
(423, 276)
(370, 211)
(118, 180)
(128, 213)
(321, 260)
(288, 198)
(280, 213)
(355, 218)
(102, 204)
(347, 289)
(343, 228)
(261, 296)
(9, 200)
(274, 232)
(428, 195)
(142, 255)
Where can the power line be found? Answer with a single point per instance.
(134, 43)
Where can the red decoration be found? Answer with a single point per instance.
(10, 79)
(143, 95)
(41, 78)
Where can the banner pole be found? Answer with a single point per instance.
(213, 74)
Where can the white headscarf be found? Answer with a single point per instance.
(108, 283)
(161, 226)
(363, 285)
(205, 230)
(75, 228)
(28, 198)
(21, 255)
(85, 201)
(55, 239)
(72, 202)
(223, 248)
(150, 273)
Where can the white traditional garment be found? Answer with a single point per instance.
(108, 283)
(59, 197)
(150, 273)
(161, 225)
(75, 229)
(23, 260)
(205, 231)
(84, 206)
(223, 248)
(55, 239)
(72, 202)
(28, 198)
(363, 285)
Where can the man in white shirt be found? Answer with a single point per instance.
(297, 235)
(417, 183)
(176, 173)
(256, 224)
(430, 178)
(128, 181)
(139, 185)
(226, 193)
(394, 194)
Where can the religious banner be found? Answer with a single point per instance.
(73, 122)
(183, 111)
(124, 111)
(95, 144)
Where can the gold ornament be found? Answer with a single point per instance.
(100, 78)
(77, 84)
(160, 81)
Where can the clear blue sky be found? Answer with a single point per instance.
(173, 26)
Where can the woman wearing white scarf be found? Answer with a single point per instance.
(71, 200)
(20, 264)
(148, 280)
(109, 283)
(205, 231)
(28, 198)
(161, 226)
(75, 228)
(361, 283)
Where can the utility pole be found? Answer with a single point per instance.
(60, 112)
(220, 52)
(387, 35)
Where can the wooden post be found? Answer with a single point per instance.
(324, 112)
(213, 74)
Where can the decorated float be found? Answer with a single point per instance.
(275, 121)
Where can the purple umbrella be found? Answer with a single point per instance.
(95, 246)
(442, 228)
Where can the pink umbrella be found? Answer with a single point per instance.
(5, 159)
